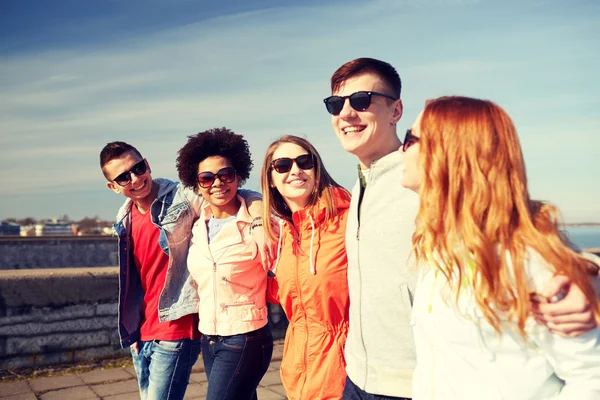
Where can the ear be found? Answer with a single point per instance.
(148, 167)
(397, 113)
(114, 187)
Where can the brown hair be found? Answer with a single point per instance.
(361, 66)
(115, 150)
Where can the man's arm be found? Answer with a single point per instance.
(571, 316)
(253, 202)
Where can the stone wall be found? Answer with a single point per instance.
(57, 252)
(66, 315)
(54, 316)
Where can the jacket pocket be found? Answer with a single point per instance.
(248, 314)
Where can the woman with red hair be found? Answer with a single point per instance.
(484, 248)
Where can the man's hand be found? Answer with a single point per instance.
(571, 316)
(136, 348)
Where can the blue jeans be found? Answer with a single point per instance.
(353, 392)
(163, 367)
(234, 365)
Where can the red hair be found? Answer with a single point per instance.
(475, 206)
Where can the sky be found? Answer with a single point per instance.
(75, 75)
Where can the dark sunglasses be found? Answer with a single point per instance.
(225, 175)
(360, 101)
(409, 140)
(124, 179)
(284, 164)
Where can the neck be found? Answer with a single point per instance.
(226, 210)
(143, 205)
(295, 205)
(390, 147)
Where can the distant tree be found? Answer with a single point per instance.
(88, 225)
(27, 221)
(10, 220)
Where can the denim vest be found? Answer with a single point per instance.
(173, 212)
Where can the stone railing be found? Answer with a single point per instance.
(57, 252)
(66, 315)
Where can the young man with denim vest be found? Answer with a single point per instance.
(158, 303)
(380, 355)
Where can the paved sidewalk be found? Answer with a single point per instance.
(121, 384)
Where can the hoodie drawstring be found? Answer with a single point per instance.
(310, 255)
(278, 246)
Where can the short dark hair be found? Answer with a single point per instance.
(361, 66)
(213, 142)
(115, 150)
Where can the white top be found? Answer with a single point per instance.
(460, 356)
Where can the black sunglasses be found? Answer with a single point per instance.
(360, 101)
(409, 140)
(225, 175)
(124, 179)
(284, 164)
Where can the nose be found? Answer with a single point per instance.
(295, 170)
(347, 110)
(134, 178)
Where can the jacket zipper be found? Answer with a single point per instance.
(215, 295)
(225, 280)
(225, 306)
(360, 295)
(305, 355)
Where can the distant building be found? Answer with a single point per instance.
(54, 227)
(8, 228)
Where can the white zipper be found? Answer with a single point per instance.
(226, 281)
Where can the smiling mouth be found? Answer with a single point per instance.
(353, 129)
(139, 188)
(297, 182)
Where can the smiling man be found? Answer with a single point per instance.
(365, 107)
(158, 303)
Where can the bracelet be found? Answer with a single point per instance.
(255, 225)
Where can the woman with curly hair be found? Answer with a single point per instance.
(228, 265)
(311, 268)
(484, 248)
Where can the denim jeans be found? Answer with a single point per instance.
(234, 365)
(163, 367)
(353, 392)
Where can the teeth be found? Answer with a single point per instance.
(352, 129)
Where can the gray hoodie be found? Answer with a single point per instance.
(380, 351)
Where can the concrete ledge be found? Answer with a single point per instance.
(55, 287)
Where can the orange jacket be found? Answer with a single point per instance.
(311, 285)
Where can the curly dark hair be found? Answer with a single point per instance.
(213, 142)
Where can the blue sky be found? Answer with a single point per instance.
(75, 75)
